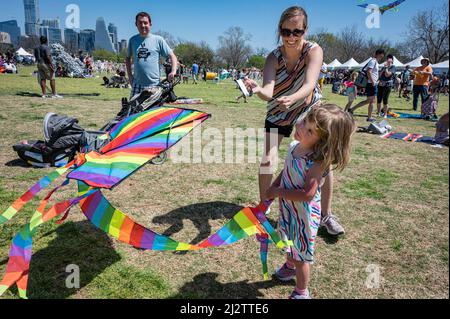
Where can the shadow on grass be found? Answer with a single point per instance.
(18, 163)
(206, 286)
(198, 214)
(76, 243)
(31, 94)
(329, 239)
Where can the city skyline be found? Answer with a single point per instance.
(203, 20)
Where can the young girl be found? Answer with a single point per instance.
(352, 90)
(322, 143)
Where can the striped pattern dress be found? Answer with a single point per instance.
(288, 84)
(298, 221)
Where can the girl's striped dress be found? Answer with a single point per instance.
(298, 221)
(288, 84)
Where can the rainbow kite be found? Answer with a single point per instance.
(383, 9)
(133, 142)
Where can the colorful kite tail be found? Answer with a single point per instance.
(264, 248)
(21, 248)
(32, 192)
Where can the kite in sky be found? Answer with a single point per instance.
(383, 9)
(133, 142)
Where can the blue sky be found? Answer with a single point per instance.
(198, 20)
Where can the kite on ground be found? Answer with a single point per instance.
(133, 142)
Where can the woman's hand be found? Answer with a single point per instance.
(285, 102)
(251, 85)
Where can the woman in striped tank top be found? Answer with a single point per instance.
(290, 87)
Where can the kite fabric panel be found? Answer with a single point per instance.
(135, 141)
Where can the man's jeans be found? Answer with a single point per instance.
(423, 91)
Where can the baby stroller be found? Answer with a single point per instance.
(63, 137)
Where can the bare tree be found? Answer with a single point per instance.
(262, 52)
(328, 42)
(234, 48)
(351, 44)
(170, 39)
(429, 31)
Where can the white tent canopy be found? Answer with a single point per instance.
(363, 64)
(415, 63)
(350, 64)
(22, 52)
(397, 63)
(441, 65)
(334, 64)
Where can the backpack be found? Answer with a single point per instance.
(361, 79)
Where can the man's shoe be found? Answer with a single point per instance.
(331, 224)
(56, 96)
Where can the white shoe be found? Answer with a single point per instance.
(56, 96)
(44, 96)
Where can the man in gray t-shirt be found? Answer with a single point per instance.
(145, 50)
(371, 70)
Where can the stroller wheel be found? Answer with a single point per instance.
(160, 159)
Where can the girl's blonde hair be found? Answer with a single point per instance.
(354, 75)
(335, 128)
(289, 13)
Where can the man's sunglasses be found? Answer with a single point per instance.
(296, 32)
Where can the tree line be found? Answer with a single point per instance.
(427, 34)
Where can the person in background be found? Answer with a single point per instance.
(385, 85)
(145, 50)
(195, 72)
(405, 79)
(371, 70)
(422, 76)
(46, 70)
(352, 90)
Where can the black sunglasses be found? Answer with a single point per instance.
(296, 32)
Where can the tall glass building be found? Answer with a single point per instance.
(112, 29)
(31, 17)
(71, 40)
(86, 40)
(102, 38)
(12, 29)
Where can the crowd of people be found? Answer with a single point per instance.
(383, 79)
(8, 63)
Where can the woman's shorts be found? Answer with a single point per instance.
(286, 131)
(383, 94)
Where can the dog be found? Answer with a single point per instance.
(185, 79)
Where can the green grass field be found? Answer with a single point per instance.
(392, 200)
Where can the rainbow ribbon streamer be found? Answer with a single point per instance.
(134, 142)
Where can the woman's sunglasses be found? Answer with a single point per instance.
(296, 32)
